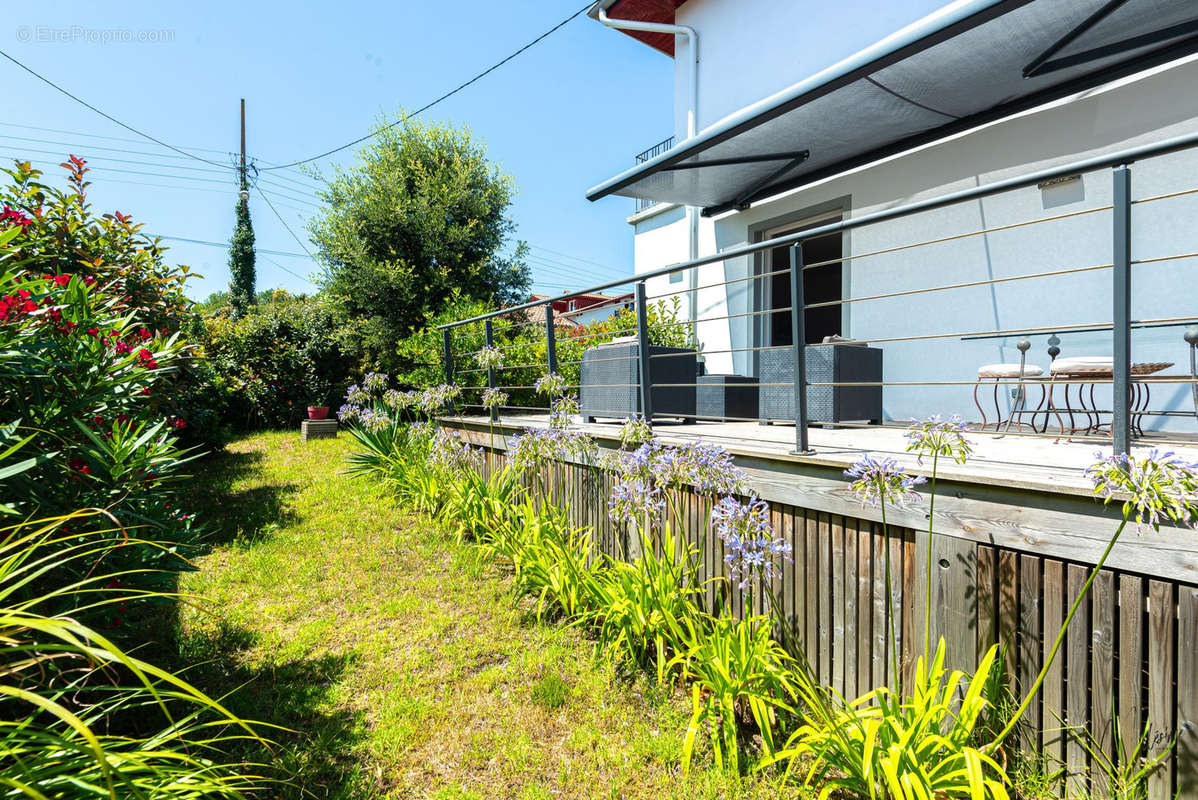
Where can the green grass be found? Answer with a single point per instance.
(403, 663)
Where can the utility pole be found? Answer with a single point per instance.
(245, 189)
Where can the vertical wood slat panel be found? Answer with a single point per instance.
(792, 572)
(841, 629)
(1187, 692)
(954, 567)
(880, 645)
(811, 590)
(984, 605)
(1131, 660)
(1053, 700)
(828, 578)
(1008, 611)
(912, 646)
(1102, 674)
(1030, 645)
(848, 633)
(1161, 610)
(1077, 700)
(898, 555)
(865, 649)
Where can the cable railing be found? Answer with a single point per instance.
(755, 353)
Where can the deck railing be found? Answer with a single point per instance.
(1066, 402)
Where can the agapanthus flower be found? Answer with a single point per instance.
(877, 482)
(374, 421)
(1160, 487)
(750, 548)
(632, 501)
(551, 384)
(348, 412)
(537, 446)
(635, 432)
(395, 399)
(356, 395)
(375, 382)
(449, 451)
(489, 357)
(494, 398)
(562, 411)
(706, 468)
(423, 429)
(436, 398)
(936, 437)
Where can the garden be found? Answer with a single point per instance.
(196, 603)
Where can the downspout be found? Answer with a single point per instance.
(599, 13)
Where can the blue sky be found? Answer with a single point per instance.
(563, 116)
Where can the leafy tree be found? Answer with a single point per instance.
(422, 217)
(241, 262)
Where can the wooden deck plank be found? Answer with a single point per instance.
(865, 649)
(1187, 692)
(849, 638)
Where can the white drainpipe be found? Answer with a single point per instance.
(692, 40)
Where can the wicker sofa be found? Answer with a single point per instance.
(611, 379)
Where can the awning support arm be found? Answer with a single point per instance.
(1114, 48)
(740, 201)
(1036, 65)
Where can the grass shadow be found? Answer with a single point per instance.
(240, 516)
(314, 741)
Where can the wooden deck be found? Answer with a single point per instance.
(1014, 534)
(1021, 461)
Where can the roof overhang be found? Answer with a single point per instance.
(660, 11)
(971, 63)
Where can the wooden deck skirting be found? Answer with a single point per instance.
(1009, 557)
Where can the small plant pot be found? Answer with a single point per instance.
(318, 412)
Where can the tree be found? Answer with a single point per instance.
(241, 262)
(420, 218)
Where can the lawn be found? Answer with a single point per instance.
(401, 661)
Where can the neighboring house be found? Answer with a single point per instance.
(580, 310)
(761, 149)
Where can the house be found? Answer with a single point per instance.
(580, 310)
(979, 91)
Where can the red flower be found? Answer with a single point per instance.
(180, 423)
(122, 348)
(93, 332)
(29, 305)
(145, 390)
(62, 280)
(80, 466)
(24, 294)
(145, 334)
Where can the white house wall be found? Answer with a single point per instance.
(1152, 108)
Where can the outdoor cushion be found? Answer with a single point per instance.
(1082, 364)
(1008, 371)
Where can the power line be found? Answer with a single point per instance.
(576, 258)
(262, 192)
(109, 138)
(289, 272)
(226, 246)
(443, 97)
(107, 116)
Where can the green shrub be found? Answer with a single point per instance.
(276, 360)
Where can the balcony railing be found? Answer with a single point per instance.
(656, 150)
(933, 353)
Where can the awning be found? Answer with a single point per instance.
(971, 63)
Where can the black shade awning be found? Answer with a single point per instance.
(969, 64)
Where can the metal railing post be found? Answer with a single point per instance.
(645, 378)
(550, 340)
(491, 381)
(447, 359)
(1121, 317)
(798, 335)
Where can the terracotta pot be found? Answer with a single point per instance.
(318, 412)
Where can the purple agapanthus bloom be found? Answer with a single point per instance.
(551, 384)
(707, 468)
(877, 482)
(632, 500)
(494, 398)
(1159, 487)
(751, 549)
(375, 382)
(562, 411)
(356, 395)
(537, 446)
(489, 357)
(939, 437)
(348, 412)
(448, 451)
